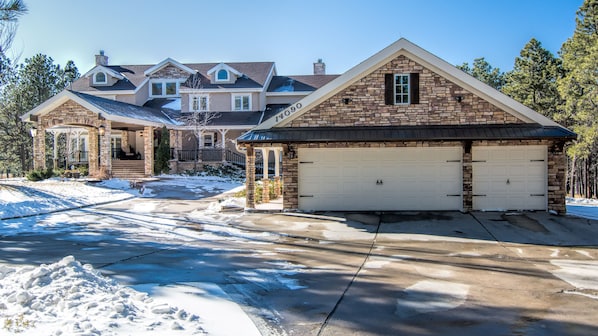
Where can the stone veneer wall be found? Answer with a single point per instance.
(169, 72)
(556, 167)
(70, 113)
(437, 104)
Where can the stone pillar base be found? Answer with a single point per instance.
(266, 191)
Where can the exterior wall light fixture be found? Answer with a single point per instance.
(101, 130)
(33, 132)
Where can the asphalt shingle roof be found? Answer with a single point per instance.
(120, 109)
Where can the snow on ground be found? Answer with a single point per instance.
(583, 207)
(19, 197)
(67, 298)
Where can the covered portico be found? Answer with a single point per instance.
(101, 121)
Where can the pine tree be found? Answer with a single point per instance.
(25, 87)
(579, 89)
(533, 80)
(10, 10)
(163, 153)
(483, 71)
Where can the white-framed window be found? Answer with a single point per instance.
(100, 78)
(164, 88)
(242, 102)
(208, 139)
(401, 89)
(222, 75)
(199, 103)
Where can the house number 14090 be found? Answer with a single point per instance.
(288, 111)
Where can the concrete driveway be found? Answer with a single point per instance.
(349, 273)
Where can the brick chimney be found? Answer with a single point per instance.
(319, 67)
(102, 59)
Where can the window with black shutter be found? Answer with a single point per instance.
(401, 89)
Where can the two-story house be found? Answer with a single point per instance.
(205, 106)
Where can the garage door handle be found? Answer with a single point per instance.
(536, 160)
(453, 195)
(537, 195)
(479, 195)
(478, 160)
(306, 195)
(453, 160)
(306, 162)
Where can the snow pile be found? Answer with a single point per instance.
(582, 201)
(67, 298)
(19, 197)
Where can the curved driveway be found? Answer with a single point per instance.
(345, 274)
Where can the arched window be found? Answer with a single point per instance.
(100, 78)
(222, 75)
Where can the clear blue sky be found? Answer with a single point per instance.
(291, 33)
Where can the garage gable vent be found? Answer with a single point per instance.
(389, 91)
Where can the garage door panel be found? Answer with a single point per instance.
(411, 179)
(509, 177)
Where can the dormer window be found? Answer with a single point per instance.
(100, 78)
(222, 75)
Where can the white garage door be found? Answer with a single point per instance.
(509, 178)
(380, 178)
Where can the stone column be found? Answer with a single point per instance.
(106, 150)
(557, 169)
(265, 180)
(148, 150)
(94, 164)
(39, 148)
(290, 193)
(250, 178)
(277, 153)
(467, 178)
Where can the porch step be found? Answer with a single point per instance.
(128, 169)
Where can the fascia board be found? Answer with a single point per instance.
(231, 127)
(58, 100)
(289, 93)
(220, 90)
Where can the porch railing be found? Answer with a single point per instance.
(203, 154)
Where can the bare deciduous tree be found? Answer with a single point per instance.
(199, 117)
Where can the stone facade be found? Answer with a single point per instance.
(437, 104)
(170, 72)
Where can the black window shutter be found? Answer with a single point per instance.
(414, 81)
(389, 90)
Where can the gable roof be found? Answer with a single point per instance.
(165, 63)
(107, 108)
(256, 75)
(425, 58)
